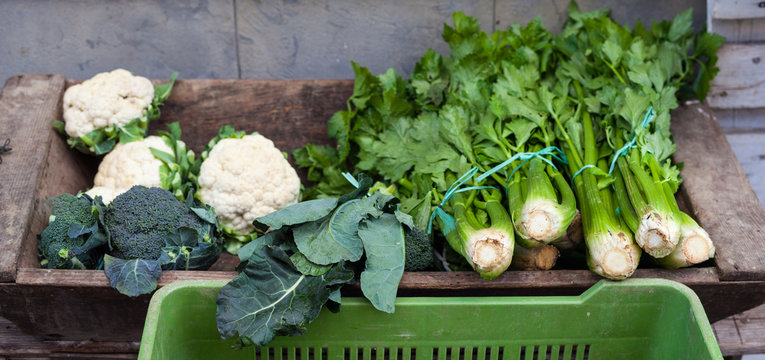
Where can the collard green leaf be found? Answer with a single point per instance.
(383, 240)
(132, 277)
(306, 267)
(275, 237)
(334, 238)
(299, 213)
(334, 301)
(270, 297)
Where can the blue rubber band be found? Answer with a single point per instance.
(649, 116)
(580, 171)
(526, 156)
(448, 220)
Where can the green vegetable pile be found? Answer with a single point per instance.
(139, 234)
(315, 248)
(497, 145)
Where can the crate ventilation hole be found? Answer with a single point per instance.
(533, 352)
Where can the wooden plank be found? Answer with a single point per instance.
(27, 105)
(313, 39)
(753, 314)
(722, 198)
(726, 332)
(741, 120)
(750, 151)
(739, 31)
(752, 331)
(15, 344)
(738, 9)
(741, 80)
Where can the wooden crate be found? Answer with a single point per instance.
(80, 305)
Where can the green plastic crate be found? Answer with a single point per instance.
(632, 319)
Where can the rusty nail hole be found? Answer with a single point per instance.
(724, 94)
(761, 4)
(756, 60)
(762, 157)
(498, 20)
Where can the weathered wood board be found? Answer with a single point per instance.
(28, 104)
(741, 80)
(295, 112)
(738, 9)
(720, 195)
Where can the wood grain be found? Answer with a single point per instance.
(737, 9)
(28, 104)
(720, 194)
(292, 113)
(741, 80)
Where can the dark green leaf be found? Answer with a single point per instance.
(383, 240)
(76, 230)
(272, 298)
(334, 238)
(132, 277)
(298, 213)
(306, 267)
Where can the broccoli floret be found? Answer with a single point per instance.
(57, 248)
(419, 251)
(140, 219)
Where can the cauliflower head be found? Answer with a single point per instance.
(106, 100)
(106, 194)
(127, 165)
(246, 178)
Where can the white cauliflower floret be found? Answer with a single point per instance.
(106, 194)
(107, 99)
(131, 164)
(244, 179)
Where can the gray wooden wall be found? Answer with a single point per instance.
(260, 39)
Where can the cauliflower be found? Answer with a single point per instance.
(108, 99)
(245, 177)
(131, 164)
(110, 107)
(106, 194)
(135, 163)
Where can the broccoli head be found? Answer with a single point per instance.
(140, 219)
(419, 251)
(73, 221)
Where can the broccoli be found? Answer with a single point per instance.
(418, 250)
(73, 222)
(140, 219)
(152, 231)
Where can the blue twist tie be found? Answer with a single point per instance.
(649, 115)
(526, 156)
(448, 220)
(580, 171)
